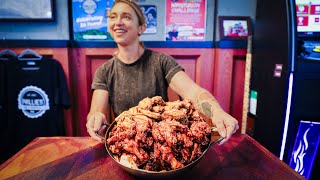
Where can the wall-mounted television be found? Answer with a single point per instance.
(26, 10)
(308, 18)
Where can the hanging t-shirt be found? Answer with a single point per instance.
(2, 90)
(36, 92)
(3, 113)
(2, 85)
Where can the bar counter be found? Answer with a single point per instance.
(84, 158)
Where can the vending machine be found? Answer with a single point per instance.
(285, 81)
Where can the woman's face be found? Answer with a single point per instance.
(123, 24)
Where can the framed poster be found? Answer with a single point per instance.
(90, 19)
(154, 12)
(234, 27)
(150, 14)
(26, 10)
(185, 20)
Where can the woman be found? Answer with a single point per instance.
(135, 73)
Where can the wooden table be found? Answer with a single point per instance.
(84, 158)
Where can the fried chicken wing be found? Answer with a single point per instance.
(167, 155)
(200, 130)
(160, 135)
(150, 114)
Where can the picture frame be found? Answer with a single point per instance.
(234, 27)
(27, 10)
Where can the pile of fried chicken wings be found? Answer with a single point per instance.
(159, 135)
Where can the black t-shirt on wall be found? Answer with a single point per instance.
(36, 93)
(3, 113)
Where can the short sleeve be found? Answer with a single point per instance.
(100, 79)
(170, 66)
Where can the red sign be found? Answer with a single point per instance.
(302, 9)
(185, 20)
(315, 9)
(302, 20)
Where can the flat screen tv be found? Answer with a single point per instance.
(26, 10)
(308, 18)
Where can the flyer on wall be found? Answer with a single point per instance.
(90, 19)
(185, 20)
(150, 13)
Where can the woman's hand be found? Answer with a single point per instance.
(98, 109)
(225, 123)
(204, 103)
(94, 124)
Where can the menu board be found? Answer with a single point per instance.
(185, 20)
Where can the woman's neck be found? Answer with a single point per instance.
(130, 54)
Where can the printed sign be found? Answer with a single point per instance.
(89, 19)
(150, 13)
(185, 20)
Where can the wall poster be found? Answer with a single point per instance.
(150, 14)
(154, 12)
(90, 19)
(185, 20)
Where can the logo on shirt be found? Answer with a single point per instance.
(33, 101)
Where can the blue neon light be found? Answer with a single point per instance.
(305, 148)
(285, 131)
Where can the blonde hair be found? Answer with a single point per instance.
(137, 10)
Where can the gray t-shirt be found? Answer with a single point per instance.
(128, 84)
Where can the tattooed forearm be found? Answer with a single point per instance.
(203, 101)
(206, 103)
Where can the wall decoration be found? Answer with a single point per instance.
(150, 13)
(234, 27)
(185, 20)
(305, 148)
(156, 23)
(90, 19)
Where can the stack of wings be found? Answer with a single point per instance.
(160, 136)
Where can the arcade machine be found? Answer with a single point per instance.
(285, 82)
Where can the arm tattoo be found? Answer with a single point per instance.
(206, 103)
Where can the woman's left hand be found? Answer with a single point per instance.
(225, 123)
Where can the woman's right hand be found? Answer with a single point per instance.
(94, 124)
